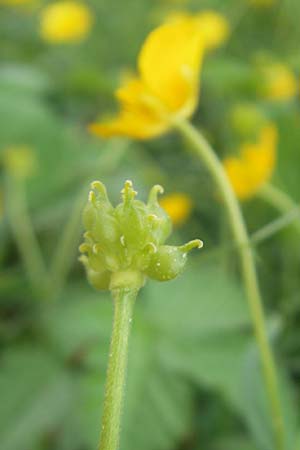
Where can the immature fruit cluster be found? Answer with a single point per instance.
(129, 238)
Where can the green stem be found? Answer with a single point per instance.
(124, 299)
(276, 226)
(66, 248)
(205, 153)
(261, 235)
(279, 200)
(24, 236)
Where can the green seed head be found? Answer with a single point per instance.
(129, 238)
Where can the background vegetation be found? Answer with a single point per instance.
(194, 381)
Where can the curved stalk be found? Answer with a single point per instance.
(276, 226)
(279, 200)
(205, 153)
(124, 299)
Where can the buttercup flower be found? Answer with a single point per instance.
(65, 21)
(129, 238)
(255, 165)
(178, 206)
(167, 86)
(213, 26)
(279, 82)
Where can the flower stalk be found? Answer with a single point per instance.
(124, 300)
(205, 153)
(123, 246)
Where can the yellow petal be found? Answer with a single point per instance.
(128, 124)
(238, 177)
(169, 65)
(134, 97)
(139, 117)
(255, 165)
(65, 21)
(214, 28)
(178, 206)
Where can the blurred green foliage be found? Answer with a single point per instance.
(194, 379)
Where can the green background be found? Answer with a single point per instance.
(194, 380)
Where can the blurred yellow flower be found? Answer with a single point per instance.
(213, 26)
(65, 21)
(167, 87)
(19, 161)
(255, 165)
(178, 206)
(280, 83)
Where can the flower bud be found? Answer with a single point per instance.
(128, 239)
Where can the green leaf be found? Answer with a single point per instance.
(35, 397)
(181, 335)
(233, 442)
(81, 324)
(199, 303)
(23, 79)
(251, 401)
(207, 325)
(157, 399)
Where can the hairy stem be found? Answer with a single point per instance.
(205, 153)
(124, 299)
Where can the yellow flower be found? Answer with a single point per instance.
(255, 165)
(65, 21)
(280, 83)
(178, 207)
(20, 161)
(213, 26)
(167, 85)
